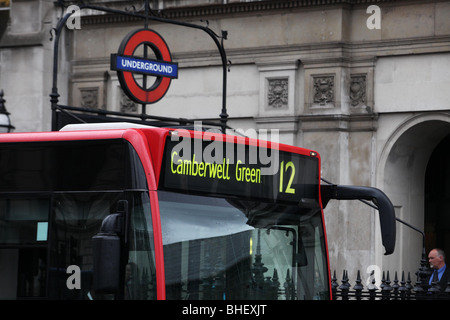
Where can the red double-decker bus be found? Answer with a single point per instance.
(159, 213)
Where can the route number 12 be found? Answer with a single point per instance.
(284, 170)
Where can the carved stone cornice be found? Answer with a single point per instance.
(339, 122)
(285, 124)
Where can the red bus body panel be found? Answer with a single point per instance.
(149, 145)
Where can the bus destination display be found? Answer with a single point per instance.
(235, 169)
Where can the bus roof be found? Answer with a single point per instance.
(115, 130)
(149, 142)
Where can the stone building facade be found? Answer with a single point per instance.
(364, 83)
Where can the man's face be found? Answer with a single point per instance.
(435, 260)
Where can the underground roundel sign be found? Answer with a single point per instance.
(144, 66)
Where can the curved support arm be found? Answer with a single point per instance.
(385, 208)
(219, 44)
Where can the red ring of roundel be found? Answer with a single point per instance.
(126, 79)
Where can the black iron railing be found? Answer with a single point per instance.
(402, 289)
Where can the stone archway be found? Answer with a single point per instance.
(401, 175)
(437, 197)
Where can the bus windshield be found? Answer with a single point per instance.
(218, 248)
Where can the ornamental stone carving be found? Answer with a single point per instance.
(126, 104)
(323, 90)
(278, 93)
(89, 98)
(358, 90)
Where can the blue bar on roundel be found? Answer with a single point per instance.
(145, 66)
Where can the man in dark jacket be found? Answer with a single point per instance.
(440, 273)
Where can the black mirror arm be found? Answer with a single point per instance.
(385, 208)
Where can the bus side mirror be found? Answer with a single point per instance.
(385, 208)
(106, 246)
